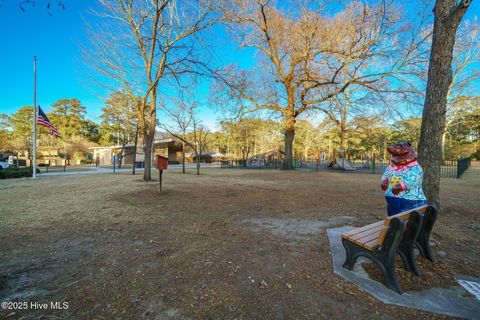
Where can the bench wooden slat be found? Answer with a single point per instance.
(372, 245)
(361, 229)
(369, 236)
(372, 236)
(359, 239)
(375, 231)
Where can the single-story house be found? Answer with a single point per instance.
(205, 157)
(165, 147)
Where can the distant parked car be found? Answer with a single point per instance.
(4, 165)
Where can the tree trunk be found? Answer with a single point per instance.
(149, 135)
(343, 125)
(198, 163)
(342, 143)
(120, 157)
(287, 163)
(183, 157)
(148, 141)
(447, 19)
(135, 144)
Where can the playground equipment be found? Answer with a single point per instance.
(272, 158)
(345, 164)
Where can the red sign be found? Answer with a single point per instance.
(161, 163)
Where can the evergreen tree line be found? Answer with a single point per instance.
(360, 136)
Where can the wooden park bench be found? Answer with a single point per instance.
(383, 240)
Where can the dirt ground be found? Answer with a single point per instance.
(228, 244)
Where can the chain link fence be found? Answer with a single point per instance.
(449, 169)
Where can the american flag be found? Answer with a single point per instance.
(42, 119)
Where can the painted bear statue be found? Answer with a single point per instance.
(402, 179)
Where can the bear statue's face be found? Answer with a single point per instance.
(402, 153)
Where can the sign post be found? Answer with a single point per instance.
(160, 173)
(161, 163)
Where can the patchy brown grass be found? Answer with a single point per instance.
(114, 248)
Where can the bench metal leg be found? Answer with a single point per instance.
(406, 249)
(390, 277)
(349, 262)
(384, 261)
(386, 267)
(407, 254)
(423, 246)
(423, 239)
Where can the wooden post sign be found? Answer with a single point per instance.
(161, 163)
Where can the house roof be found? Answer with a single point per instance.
(269, 153)
(131, 145)
(212, 154)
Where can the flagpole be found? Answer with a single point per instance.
(34, 174)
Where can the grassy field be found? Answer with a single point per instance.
(228, 244)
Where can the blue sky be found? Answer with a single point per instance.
(55, 40)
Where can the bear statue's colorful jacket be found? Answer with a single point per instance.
(409, 176)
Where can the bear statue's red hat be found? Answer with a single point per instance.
(402, 153)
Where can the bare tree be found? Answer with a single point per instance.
(178, 123)
(466, 73)
(448, 15)
(309, 57)
(199, 142)
(144, 43)
(185, 125)
(348, 111)
(49, 5)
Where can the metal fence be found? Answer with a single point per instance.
(250, 164)
(307, 165)
(448, 169)
(451, 168)
(463, 165)
(298, 164)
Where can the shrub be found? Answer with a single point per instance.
(16, 172)
(86, 160)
